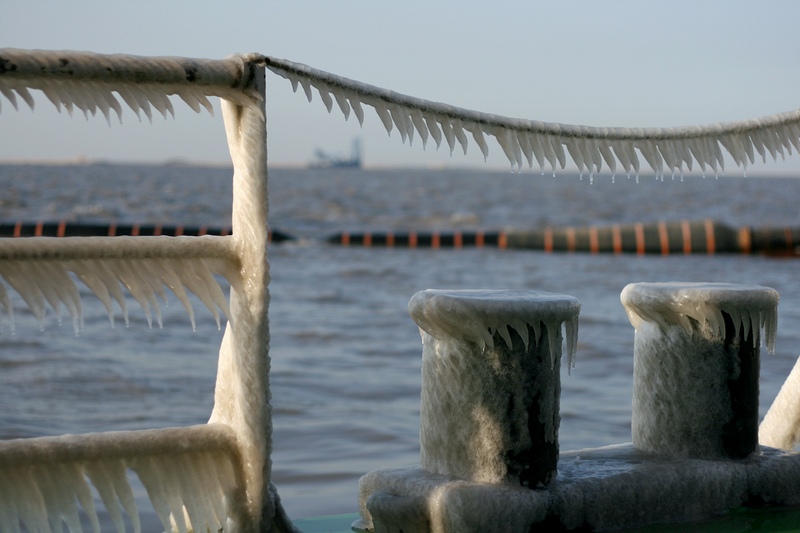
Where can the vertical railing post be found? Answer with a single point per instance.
(242, 391)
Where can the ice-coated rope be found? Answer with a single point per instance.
(88, 81)
(663, 149)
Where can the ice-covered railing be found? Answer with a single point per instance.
(664, 150)
(40, 270)
(206, 478)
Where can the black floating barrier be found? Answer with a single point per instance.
(678, 237)
(81, 229)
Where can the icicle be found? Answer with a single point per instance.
(733, 145)
(575, 153)
(130, 98)
(134, 284)
(107, 102)
(458, 131)
(667, 153)
(521, 327)
(480, 140)
(685, 154)
(150, 476)
(110, 281)
(324, 94)
(51, 93)
(5, 302)
(739, 320)
(206, 498)
(96, 285)
(161, 102)
(383, 114)
(25, 287)
(168, 276)
(434, 130)
(558, 147)
(212, 293)
(419, 124)
(96, 472)
(215, 487)
(55, 282)
(571, 327)
(503, 137)
(526, 146)
(592, 156)
(30, 503)
(355, 104)
(293, 79)
(344, 106)
(23, 92)
(537, 147)
(447, 130)
(502, 329)
(537, 331)
(119, 479)
(307, 89)
(91, 99)
(553, 340)
(400, 121)
(605, 151)
(548, 145)
(792, 132)
(8, 93)
(651, 155)
(9, 516)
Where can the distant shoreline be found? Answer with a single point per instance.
(736, 172)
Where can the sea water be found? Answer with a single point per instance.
(346, 357)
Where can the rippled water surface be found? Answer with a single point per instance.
(345, 354)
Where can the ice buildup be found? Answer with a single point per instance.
(781, 425)
(696, 366)
(193, 477)
(491, 382)
(700, 386)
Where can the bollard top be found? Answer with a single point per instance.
(752, 307)
(475, 315)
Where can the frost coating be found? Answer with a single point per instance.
(664, 150)
(193, 477)
(143, 266)
(696, 366)
(491, 383)
(476, 315)
(752, 308)
(781, 425)
(88, 81)
(43, 271)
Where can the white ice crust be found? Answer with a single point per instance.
(193, 477)
(603, 489)
(781, 425)
(43, 272)
(475, 315)
(752, 307)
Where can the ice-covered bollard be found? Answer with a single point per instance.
(491, 382)
(696, 366)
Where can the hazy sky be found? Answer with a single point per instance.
(610, 63)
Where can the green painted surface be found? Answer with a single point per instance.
(327, 524)
(766, 520)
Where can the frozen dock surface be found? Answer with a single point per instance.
(613, 487)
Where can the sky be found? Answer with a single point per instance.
(613, 63)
